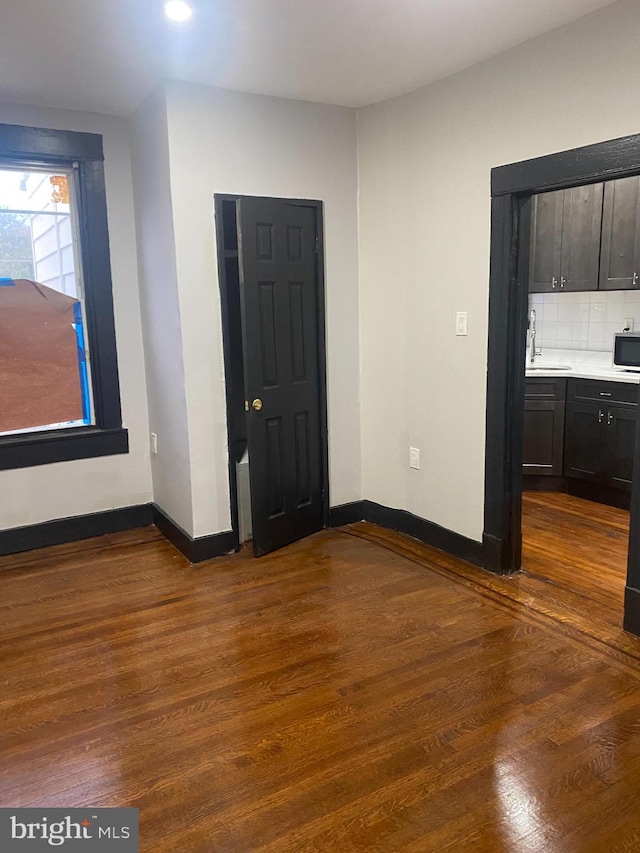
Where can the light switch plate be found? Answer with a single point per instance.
(414, 458)
(461, 323)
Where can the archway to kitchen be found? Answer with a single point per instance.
(521, 216)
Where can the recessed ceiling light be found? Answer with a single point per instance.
(178, 10)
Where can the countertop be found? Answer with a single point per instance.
(583, 365)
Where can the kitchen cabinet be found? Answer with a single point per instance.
(621, 439)
(544, 408)
(565, 239)
(620, 245)
(546, 242)
(600, 425)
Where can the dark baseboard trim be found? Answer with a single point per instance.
(578, 489)
(543, 483)
(71, 529)
(632, 610)
(347, 513)
(426, 531)
(495, 554)
(78, 527)
(599, 494)
(195, 550)
(206, 547)
(412, 525)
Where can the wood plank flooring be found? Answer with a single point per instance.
(578, 546)
(356, 691)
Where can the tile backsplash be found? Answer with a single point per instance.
(585, 321)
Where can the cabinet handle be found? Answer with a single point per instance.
(600, 416)
(634, 280)
(605, 394)
(563, 281)
(609, 419)
(554, 281)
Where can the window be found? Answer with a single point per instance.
(43, 347)
(59, 394)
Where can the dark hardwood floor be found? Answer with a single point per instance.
(354, 691)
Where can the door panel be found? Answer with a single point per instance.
(581, 227)
(281, 331)
(621, 434)
(274, 465)
(546, 242)
(621, 235)
(543, 437)
(585, 438)
(268, 333)
(296, 314)
(303, 481)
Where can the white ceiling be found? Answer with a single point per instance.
(105, 55)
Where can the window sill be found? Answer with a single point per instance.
(43, 448)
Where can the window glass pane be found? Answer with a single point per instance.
(44, 375)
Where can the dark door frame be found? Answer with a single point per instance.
(511, 189)
(230, 379)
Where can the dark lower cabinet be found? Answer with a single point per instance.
(599, 441)
(543, 437)
(543, 426)
(586, 438)
(621, 433)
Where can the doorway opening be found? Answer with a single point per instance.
(595, 464)
(580, 410)
(271, 273)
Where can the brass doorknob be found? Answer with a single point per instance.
(257, 405)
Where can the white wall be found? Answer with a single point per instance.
(424, 169)
(163, 335)
(32, 495)
(228, 142)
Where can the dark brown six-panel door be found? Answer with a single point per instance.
(281, 328)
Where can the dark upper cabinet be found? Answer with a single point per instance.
(543, 426)
(620, 251)
(581, 228)
(600, 435)
(565, 239)
(546, 242)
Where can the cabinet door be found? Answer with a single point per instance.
(546, 242)
(620, 252)
(621, 435)
(585, 442)
(543, 437)
(581, 228)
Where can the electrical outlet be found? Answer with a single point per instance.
(414, 458)
(627, 325)
(154, 443)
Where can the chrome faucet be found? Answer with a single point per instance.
(533, 352)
